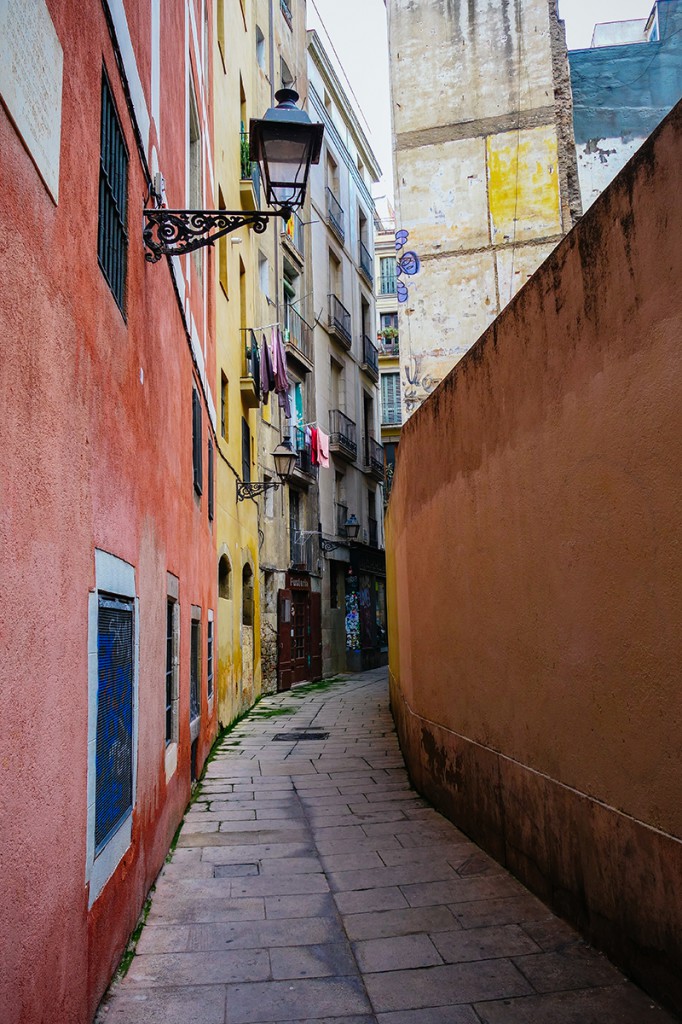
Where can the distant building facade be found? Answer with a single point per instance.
(347, 376)
(486, 182)
(388, 342)
(623, 86)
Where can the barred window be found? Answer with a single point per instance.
(112, 234)
(195, 670)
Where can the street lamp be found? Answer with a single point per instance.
(284, 459)
(352, 527)
(284, 143)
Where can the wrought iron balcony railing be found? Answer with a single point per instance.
(366, 262)
(293, 233)
(389, 346)
(249, 169)
(370, 357)
(342, 435)
(374, 458)
(303, 457)
(339, 320)
(335, 214)
(297, 332)
(303, 548)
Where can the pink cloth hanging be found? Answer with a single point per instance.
(323, 448)
(313, 446)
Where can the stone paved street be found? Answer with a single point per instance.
(310, 883)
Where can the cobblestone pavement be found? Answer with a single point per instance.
(310, 883)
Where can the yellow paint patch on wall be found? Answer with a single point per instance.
(523, 184)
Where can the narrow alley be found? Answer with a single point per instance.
(310, 883)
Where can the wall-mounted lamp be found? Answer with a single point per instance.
(352, 527)
(284, 459)
(284, 143)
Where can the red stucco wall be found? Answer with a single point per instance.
(535, 572)
(91, 457)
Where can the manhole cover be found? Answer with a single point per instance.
(300, 734)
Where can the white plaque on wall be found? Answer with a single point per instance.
(31, 68)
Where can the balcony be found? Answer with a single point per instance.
(374, 459)
(249, 183)
(304, 471)
(298, 338)
(373, 533)
(339, 322)
(370, 358)
(342, 436)
(248, 381)
(293, 237)
(389, 346)
(286, 11)
(304, 550)
(335, 215)
(366, 264)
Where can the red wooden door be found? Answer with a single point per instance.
(300, 635)
(315, 635)
(284, 629)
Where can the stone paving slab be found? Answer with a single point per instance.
(312, 885)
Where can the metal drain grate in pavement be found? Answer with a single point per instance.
(300, 734)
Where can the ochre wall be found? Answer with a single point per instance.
(535, 571)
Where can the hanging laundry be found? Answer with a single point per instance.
(280, 368)
(313, 446)
(255, 364)
(267, 374)
(298, 403)
(323, 448)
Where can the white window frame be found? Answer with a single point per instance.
(117, 577)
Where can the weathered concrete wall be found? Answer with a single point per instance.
(484, 163)
(620, 94)
(535, 577)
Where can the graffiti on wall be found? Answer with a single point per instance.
(407, 264)
(418, 384)
(352, 621)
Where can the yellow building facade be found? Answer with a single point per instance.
(259, 47)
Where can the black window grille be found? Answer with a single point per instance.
(209, 658)
(195, 675)
(196, 440)
(223, 406)
(246, 451)
(210, 478)
(169, 670)
(112, 233)
(114, 743)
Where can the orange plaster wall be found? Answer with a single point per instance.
(535, 521)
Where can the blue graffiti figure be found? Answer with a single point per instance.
(408, 264)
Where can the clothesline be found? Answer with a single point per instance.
(263, 327)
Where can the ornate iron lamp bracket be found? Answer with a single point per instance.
(246, 489)
(332, 545)
(176, 232)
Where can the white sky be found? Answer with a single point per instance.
(358, 32)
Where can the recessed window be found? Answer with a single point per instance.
(196, 441)
(210, 480)
(264, 274)
(209, 655)
(260, 48)
(224, 578)
(172, 649)
(222, 251)
(112, 232)
(195, 666)
(246, 451)
(247, 596)
(223, 406)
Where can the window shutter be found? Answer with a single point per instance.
(246, 451)
(210, 478)
(196, 441)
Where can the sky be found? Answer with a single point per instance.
(364, 55)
